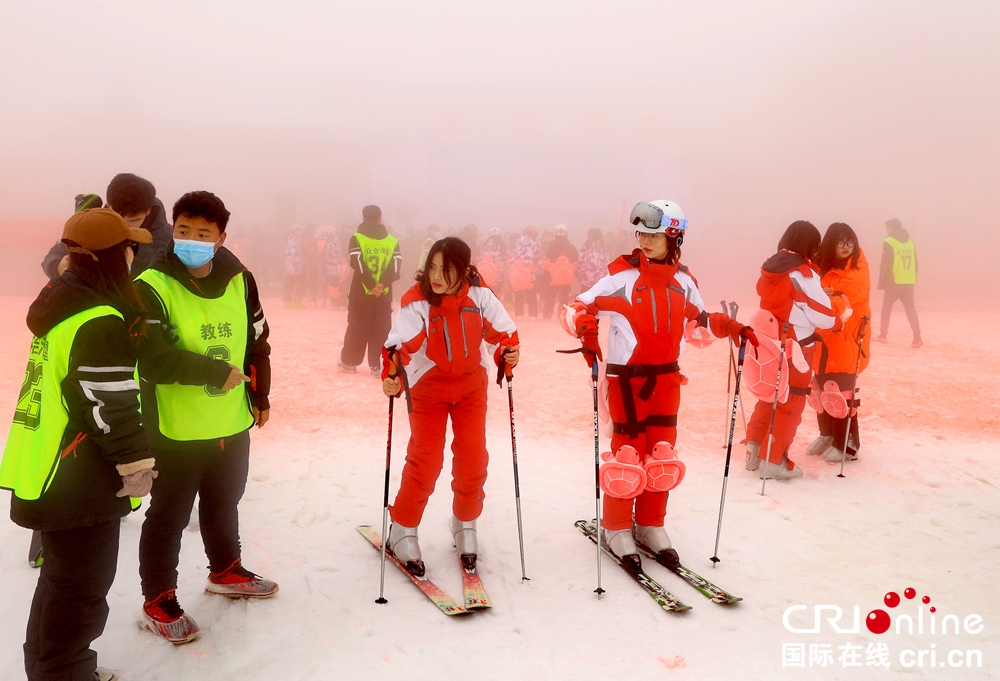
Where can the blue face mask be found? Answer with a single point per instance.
(194, 253)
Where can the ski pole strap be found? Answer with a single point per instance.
(625, 373)
(401, 374)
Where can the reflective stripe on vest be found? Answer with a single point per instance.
(31, 457)
(904, 261)
(216, 327)
(377, 254)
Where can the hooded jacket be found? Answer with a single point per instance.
(790, 289)
(173, 365)
(841, 347)
(101, 396)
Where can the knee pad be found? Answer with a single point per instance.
(621, 475)
(664, 471)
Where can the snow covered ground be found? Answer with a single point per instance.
(920, 509)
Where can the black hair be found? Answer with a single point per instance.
(109, 275)
(828, 259)
(801, 237)
(202, 204)
(454, 253)
(129, 194)
(371, 213)
(85, 201)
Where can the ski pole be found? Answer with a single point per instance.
(729, 448)
(385, 495)
(509, 374)
(854, 392)
(729, 369)
(774, 407)
(597, 476)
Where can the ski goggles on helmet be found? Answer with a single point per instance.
(647, 215)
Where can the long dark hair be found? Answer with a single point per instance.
(828, 259)
(801, 237)
(454, 253)
(109, 276)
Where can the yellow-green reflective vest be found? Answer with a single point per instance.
(377, 254)
(904, 261)
(216, 327)
(33, 452)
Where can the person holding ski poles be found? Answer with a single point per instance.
(651, 301)
(845, 273)
(791, 296)
(77, 450)
(436, 345)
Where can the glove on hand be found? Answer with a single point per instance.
(137, 484)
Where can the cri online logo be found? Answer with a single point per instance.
(878, 621)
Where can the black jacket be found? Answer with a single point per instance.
(561, 246)
(362, 274)
(155, 222)
(161, 364)
(105, 426)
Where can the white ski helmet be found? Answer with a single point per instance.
(647, 218)
(673, 216)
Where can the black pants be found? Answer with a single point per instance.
(218, 475)
(904, 294)
(837, 428)
(368, 322)
(554, 294)
(70, 606)
(531, 297)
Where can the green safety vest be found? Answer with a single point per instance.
(34, 446)
(377, 254)
(216, 327)
(904, 261)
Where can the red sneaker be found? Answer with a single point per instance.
(238, 582)
(163, 616)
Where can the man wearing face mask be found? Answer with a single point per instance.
(199, 288)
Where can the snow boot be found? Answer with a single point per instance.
(102, 674)
(404, 545)
(622, 544)
(163, 616)
(466, 541)
(917, 343)
(834, 454)
(819, 445)
(753, 455)
(347, 368)
(654, 539)
(779, 471)
(238, 582)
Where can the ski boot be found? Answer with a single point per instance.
(466, 541)
(238, 582)
(163, 616)
(403, 544)
(779, 471)
(654, 539)
(622, 545)
(753, 455)
(819, 445)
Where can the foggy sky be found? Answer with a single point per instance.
(749, 115)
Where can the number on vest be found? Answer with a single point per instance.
(29, 402)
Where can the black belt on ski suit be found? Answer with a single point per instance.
(625, 373)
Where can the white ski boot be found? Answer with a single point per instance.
(654, 539)
(834, 454)
(819, 445)
(403, 544)
(779, 471)
(753, 455)
(466, 541)
(622, 544)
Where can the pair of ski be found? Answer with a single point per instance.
(664, 598)
(472, 586)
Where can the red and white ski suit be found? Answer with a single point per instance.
(790, 289)
(648, 306)
(446, 374)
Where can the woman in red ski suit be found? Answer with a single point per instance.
(790, 290)
(649, 299)
(436, 341)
